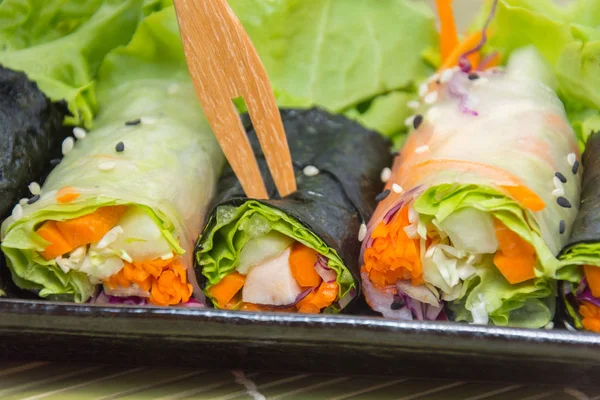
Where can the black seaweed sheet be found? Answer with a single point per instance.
(586, 228)
(31, 132)
(334, 203)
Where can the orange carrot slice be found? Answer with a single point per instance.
(302, 264)
(225, 290)
(323, 297)
(591, 317)
(58, 245)
(592, 274)
(67, 194)
(515, 257)
(92, 227)
(448, 34)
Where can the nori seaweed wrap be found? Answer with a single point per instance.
(581, 300)
(31, 131)
(298, 253)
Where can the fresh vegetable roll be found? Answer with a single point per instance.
(298, 253)
(582, 298)
(125, 205)
(480, 201)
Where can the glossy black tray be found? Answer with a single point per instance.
(201, 338)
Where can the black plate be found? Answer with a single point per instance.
(328, 344)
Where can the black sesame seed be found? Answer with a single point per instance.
(417, 121)
(133, 122)
(55, 162)
(473, 76)
(33, 199)
(381, 196)
(561, 227)
(561, 177)
(120, 147)
(397, 304)
(563, 202)
(575, 167)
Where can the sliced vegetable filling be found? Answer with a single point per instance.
(256, 258)
(121, 247)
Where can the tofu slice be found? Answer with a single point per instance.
(272, 282)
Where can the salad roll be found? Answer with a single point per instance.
(299, 253)
(481, 201)
(122, 210)
(582, 299)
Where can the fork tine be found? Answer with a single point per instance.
(234, 142)
(267, 123)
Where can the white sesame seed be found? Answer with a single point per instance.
(409, 121)
(446, 75)
(79, 133)
(173, 88)
(167, 256)
(558, 192)
(480, 81)
(421, 149)
(397, 188)
(423, 89)
(22, 202)
(34, 188)
(431, 97)
(106, 166)
(571, 158)
(148, 120)
(414, 104)
(310, 170)
(362, 232)
(386, 174)
(67, 145)
(558, 184)
(17, 212)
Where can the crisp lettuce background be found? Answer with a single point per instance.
(60, 44)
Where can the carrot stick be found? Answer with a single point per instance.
(302, 264)
(448, 34)
(467, 44)
(592, 274)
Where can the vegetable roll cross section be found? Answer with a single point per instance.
(299, 253)
(581, 296)
(117, 219)
(483, 197)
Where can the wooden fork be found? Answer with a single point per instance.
(224, 65)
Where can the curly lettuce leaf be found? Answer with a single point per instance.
(61, 44)
(231, 228)
(338, 54)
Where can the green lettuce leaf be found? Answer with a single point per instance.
(569, 38)
(60, 44)
(528, 304)
(169, 166)
(314, 54)
(230, 228)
